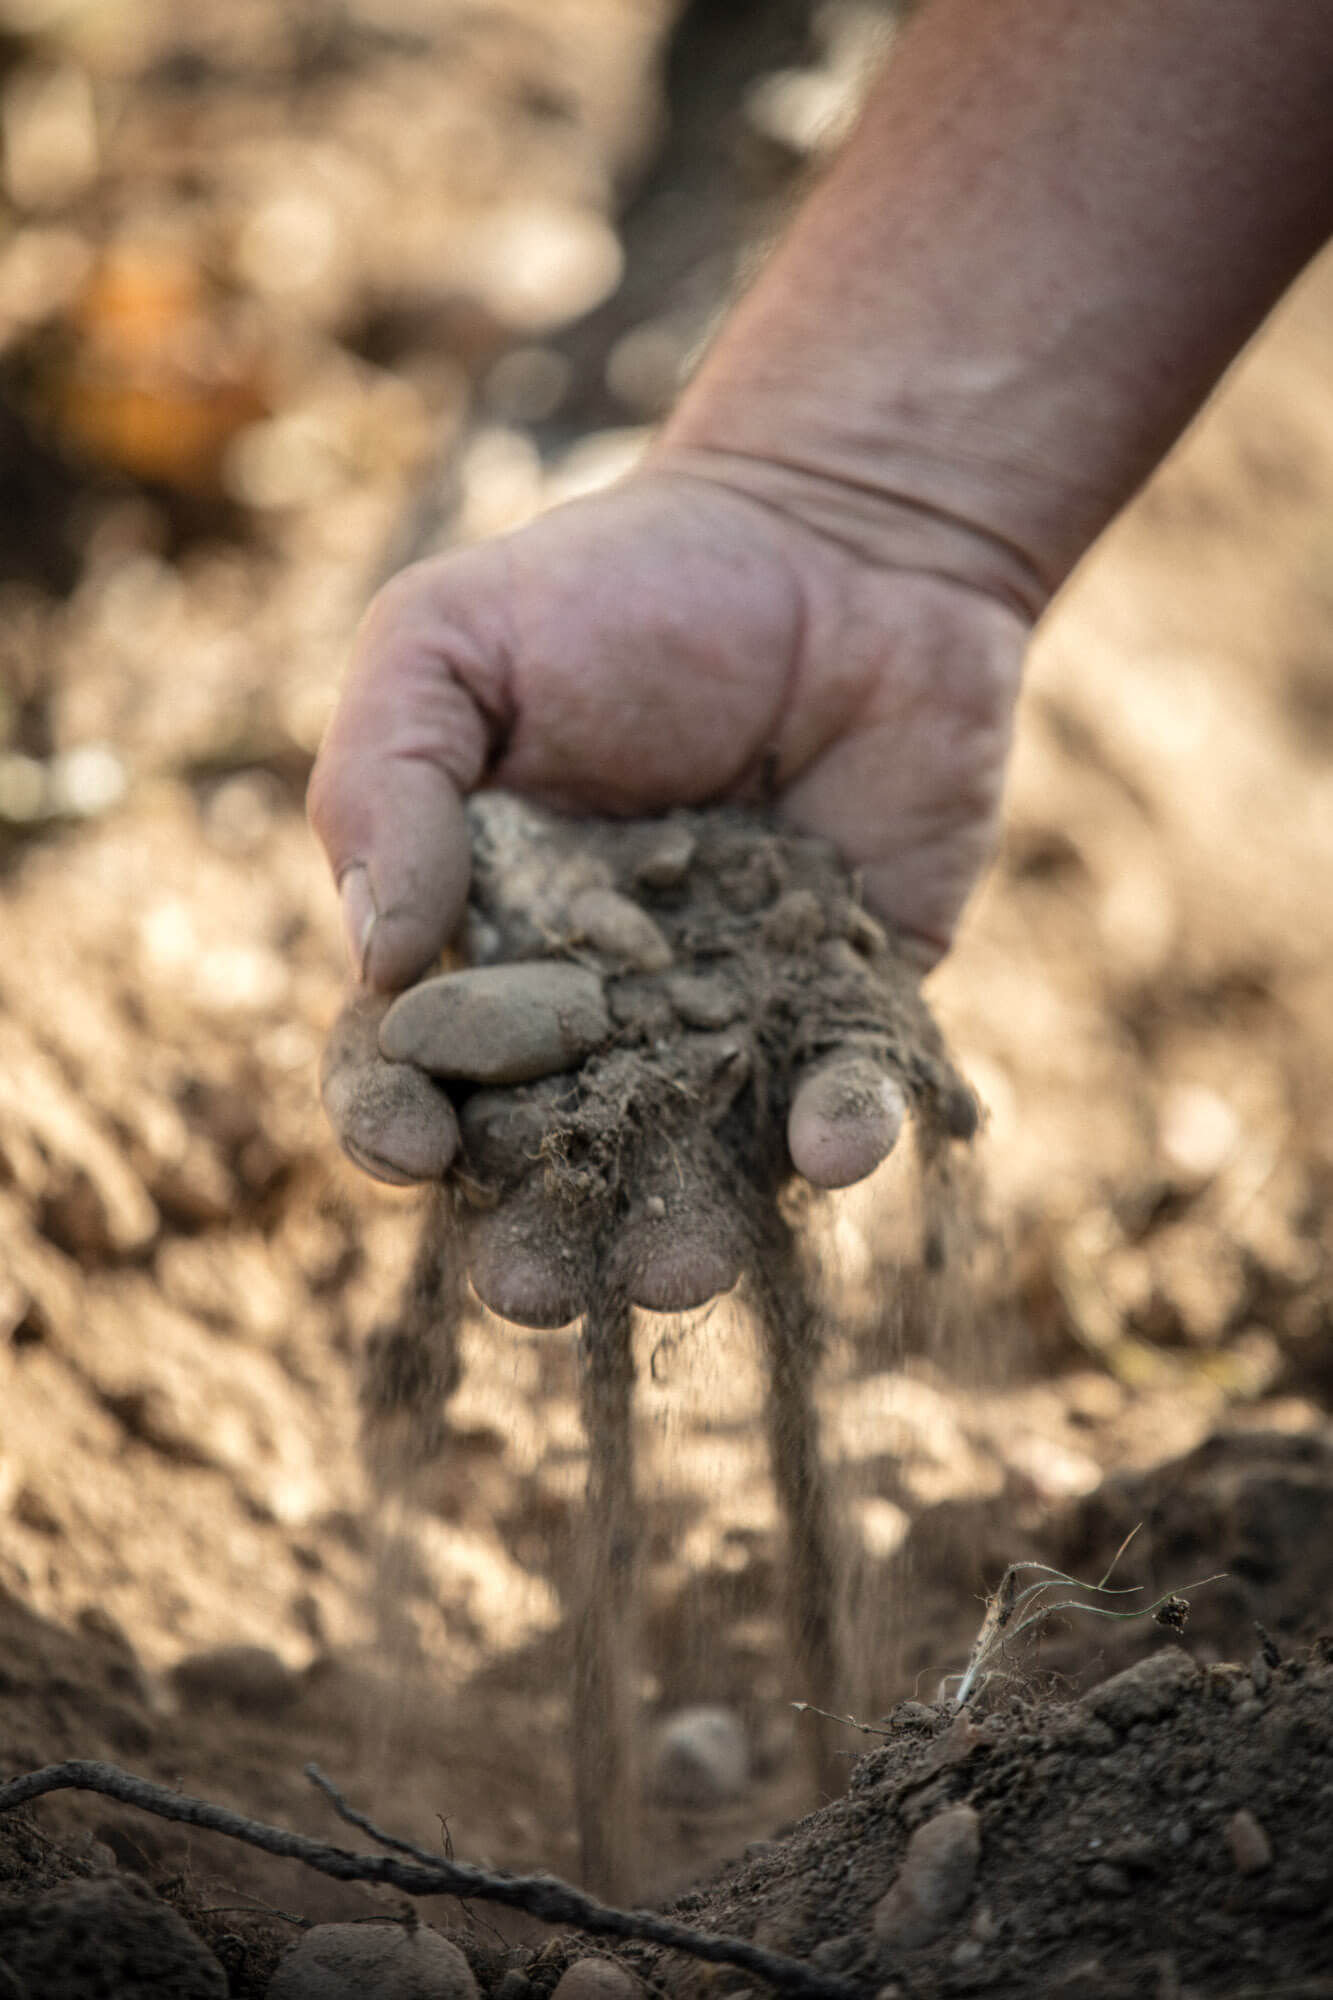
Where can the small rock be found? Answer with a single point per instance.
(935, 1882)
(796, 921)
(596, 1979)
(250, 1679)
(502, 1132)
(960, 1112)
(515, 1985)
(1144, 1692)
(751, 882)
(1248, 1845)
(704, 1000)
(953, 1745)
(836, 1954)
(865, 935)
(667, 862)
(698, 1757)
(914, 1715)
(106, 1936)
(716, 1068)
(373, 1962)
(640, 1003)
(498, 1023)
(611, 923)
(1105, 1879)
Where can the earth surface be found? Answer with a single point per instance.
(288, 295)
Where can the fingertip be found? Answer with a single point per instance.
(520, 1265)
(390, 1119)
(678, 1276)
(404, 901)
(845, 1118)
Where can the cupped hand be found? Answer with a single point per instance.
(667, 642)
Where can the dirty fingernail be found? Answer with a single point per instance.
(359, 914)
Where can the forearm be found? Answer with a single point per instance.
(1056, 224)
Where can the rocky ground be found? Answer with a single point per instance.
(287, 294)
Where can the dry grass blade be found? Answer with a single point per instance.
(1007, 1600)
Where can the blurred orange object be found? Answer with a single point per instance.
(161, 371)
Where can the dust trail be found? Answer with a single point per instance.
(788, 1315)
(604, 1706)
(411, 1365)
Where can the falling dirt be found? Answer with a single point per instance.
(687, 979)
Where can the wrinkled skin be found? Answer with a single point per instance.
(667, 642)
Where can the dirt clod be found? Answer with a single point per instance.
(109, 1936)
(1144, 1692)
(934, 1884)
(1247, 1843)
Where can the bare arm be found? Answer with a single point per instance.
(1056, 225)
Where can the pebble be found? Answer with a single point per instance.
(1248, 1845)
(373, 1962)
(667, 862)
(515, 1985)
(501, 1131)
(640, 1003)
(698, 1757)
(704, 1000)
(750, 883)
(1105, 1879)
(596, 1979)
(611, 923)
(796, 921)
(716, 1070)
(1145, 1692)
(935, 1882)
(498, 1023)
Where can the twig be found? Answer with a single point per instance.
(541, 1896)
(866, 1728)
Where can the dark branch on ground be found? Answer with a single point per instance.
(424, 1874)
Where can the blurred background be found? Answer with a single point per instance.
(290, 293)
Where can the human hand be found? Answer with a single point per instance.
(666, 642)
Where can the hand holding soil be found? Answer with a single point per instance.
(670, 642)
(661, 1019)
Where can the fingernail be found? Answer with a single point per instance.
(359, 916)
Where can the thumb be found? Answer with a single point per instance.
(409, 739)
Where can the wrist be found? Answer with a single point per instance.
(877, 521)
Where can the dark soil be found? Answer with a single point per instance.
(1166, 1833)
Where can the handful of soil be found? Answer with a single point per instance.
(656, 1026)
